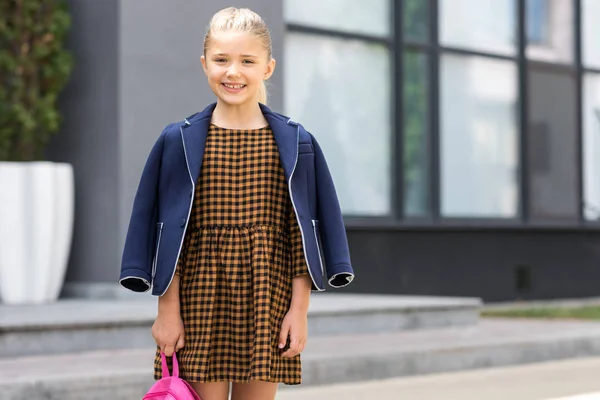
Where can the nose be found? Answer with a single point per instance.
(233, 70)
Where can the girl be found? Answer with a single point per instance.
(234, 222)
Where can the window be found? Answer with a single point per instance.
(343, 15)
(468, 139)
(482, 25)
(416, 135)
(552, 149)
(537, 21)
(590, 15)
(591, 147)
(550, 30)
(478, 138)
(416, 19)
(341, 93)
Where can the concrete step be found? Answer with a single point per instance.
(127, 374)
(88, 325)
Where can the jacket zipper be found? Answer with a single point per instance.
(155, 395)
(161, 394)
(318, 240)
(296, 211)
(156, 252)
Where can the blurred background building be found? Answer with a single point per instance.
(463, 135)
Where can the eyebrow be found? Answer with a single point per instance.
(243, 55)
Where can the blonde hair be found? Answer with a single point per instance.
(242, 20)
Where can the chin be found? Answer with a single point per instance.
(233, 100)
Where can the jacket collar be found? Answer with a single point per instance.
(195, 130)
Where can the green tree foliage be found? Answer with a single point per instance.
(34, 68)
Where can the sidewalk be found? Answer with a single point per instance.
(564, 380)
(125, 374)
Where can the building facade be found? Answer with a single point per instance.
(463, 135)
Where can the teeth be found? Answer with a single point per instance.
(234, 86)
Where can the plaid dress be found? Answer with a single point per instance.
(242, 249)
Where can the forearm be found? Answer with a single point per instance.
(168, 303)
(301, 286)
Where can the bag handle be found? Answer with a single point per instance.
(165, 367)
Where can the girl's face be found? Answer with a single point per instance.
(236, 64)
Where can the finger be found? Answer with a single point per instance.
(302, 346)
(169, 349)
(298, 346)
(295, 345)
(293, 350)
(283, 336)
(289, 354)
(180, 343)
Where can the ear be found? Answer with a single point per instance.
(204, 67)
(270, 69)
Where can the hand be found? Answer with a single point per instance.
(168, 332)
(294, 325)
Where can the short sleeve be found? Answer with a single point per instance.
(297, 250)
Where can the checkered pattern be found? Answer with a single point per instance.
(241, 252)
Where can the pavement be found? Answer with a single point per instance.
(77, 325)
(380, 349)
(529, 304)
(559, 380)
(125, 374)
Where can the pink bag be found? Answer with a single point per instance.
(171, 387)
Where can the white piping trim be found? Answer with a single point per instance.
(296, 212)
(349, 278)
(187, 220)
(135, 277)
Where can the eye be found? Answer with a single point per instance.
(220, 60)
(248, 62)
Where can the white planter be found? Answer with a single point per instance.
(36, 227)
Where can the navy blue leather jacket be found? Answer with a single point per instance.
(164, 198)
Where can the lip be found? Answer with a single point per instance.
(232, 90)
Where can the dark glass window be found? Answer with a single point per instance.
(416, 19)
(416, 134)
(552, 153)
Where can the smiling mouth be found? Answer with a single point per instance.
(230, 86)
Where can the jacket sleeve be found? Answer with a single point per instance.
(136, 263)
(333, 232)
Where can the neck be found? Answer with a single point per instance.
(242, 116)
